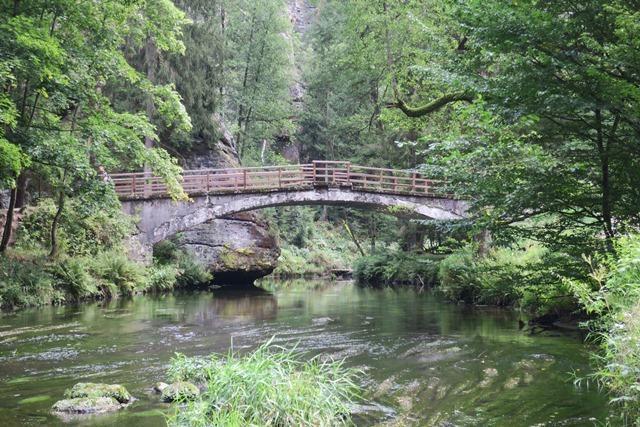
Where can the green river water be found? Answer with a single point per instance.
(425, 362)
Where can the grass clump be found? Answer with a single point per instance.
(270, 386)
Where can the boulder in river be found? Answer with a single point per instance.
(160, 386)
(86, 405)
(95, 390)
(180, 390)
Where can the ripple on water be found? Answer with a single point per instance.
(37, 330)
(54, 354)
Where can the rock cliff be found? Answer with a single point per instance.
(236, 249)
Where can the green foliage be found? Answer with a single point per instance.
(397, 267)
(189, 273)
(163, 278)
(61, 63)
(324, 247)
(26, 283)
(114, 270)
(611, 294)
(269, 386)
(192, 273)
(71, 275)
(527, 276)
(85, 228)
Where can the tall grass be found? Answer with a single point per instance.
(270, 386)
(612, 297)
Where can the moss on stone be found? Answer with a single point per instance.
(86, 405)
(180, 390)
(95, 390)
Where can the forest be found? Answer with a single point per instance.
(527, 111)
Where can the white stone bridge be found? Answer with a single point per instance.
(216, 193)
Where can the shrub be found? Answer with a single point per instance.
(396, 267)
(526, 275)
(114, 269)
(612, 296)
(26, 283)
(457, 276)
(189, 272)
(326, 249)
(270, 386)
(85, 228)
(162, 278)
(71, 274)
(192, 273)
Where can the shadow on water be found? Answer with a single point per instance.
(424, 362)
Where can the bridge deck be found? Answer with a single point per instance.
(142, 185)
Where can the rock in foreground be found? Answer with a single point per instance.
(93, 398)
(180, 390)
(93, 390)
(86, 405)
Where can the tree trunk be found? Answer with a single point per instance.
(151, 59)
(21, 190)
(374, 231)
(8, 225)
(245, 79)
(54, 226)
(353, 237)
(56, 218)
(605, 183)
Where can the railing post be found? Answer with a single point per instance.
(207, 182)
(413, 183)
(315, 173)
(244, 179)
(279, 178)
(348, 173)
(133, 185)
(395, 183)
(381, 181)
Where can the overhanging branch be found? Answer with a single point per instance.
(432, 106)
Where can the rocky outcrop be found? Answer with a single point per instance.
(92, 398)
(238, 248)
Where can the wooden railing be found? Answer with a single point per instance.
(319, 173)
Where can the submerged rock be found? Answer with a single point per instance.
(180, 390)
(490, 375)
(86, 405)
(159, 387)
(512, 383)
(95, 390)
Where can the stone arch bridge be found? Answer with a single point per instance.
(216, 193)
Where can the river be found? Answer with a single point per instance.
(424, 362)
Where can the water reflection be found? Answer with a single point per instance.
(425, 362)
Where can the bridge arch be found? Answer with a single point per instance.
(161, 218)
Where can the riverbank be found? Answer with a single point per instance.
(33, 279)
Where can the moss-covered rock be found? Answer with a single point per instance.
(86, 405)
(95, 390)
(180, 390)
